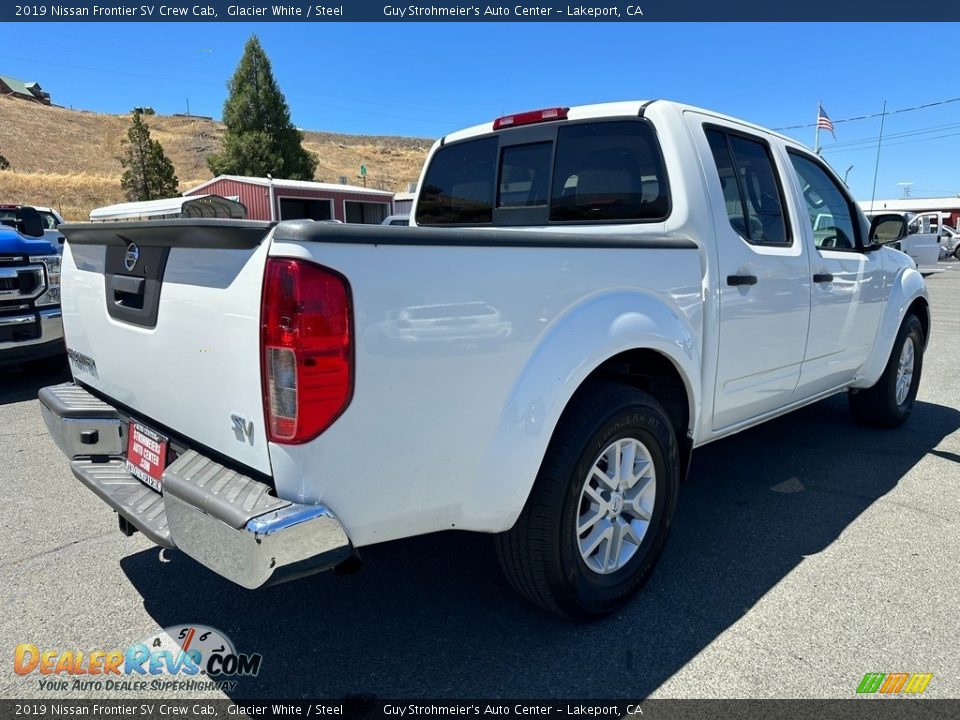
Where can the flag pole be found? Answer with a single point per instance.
(876, 167)
(816, 135)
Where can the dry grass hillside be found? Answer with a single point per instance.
(69, 158)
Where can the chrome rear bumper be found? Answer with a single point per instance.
(224, 519)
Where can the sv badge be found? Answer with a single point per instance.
(242, 428)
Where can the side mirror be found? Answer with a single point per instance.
(886, 229)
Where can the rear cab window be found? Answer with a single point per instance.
(609, 171)
(524, 175)
(458, 188)
(578, 172)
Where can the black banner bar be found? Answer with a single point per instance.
(817, 11)
(872, 708)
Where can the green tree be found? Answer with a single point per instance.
(260, 138)
(148, 173)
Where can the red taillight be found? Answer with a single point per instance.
(307, 356)
(528, 118)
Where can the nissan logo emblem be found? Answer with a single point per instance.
(131, 258)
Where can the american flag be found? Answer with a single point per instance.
(823, 122)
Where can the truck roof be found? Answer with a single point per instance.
(617, 109)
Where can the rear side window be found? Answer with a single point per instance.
(459, 185)
(608, 171)
(751, 188)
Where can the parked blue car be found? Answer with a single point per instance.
(31, 331)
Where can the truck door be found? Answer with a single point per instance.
(764, 276)
(848, 295)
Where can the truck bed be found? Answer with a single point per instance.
(461, 339)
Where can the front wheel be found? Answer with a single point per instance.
(600, 510)
(889, 402)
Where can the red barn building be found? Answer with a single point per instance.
(267, 199)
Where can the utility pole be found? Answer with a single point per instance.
(876, 167)
(816, 134)
(272, 197)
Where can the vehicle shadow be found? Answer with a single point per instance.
(433, 616)
(19, 385)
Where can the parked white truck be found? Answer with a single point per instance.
(586, 296)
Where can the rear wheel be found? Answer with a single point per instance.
(889, 402)
(599, 513)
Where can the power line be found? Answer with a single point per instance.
(891, 144)
(869, 141)
(873, 115)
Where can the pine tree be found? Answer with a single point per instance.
(260, 138)
(148, 173)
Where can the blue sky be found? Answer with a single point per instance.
(426, 79)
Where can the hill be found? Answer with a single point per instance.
(69, 159)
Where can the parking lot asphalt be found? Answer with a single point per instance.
(805, 553)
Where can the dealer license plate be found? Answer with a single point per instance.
(146, 455)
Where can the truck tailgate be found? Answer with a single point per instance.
(164, 318)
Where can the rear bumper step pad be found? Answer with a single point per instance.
(137, 503)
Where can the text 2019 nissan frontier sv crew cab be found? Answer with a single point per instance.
(585, 296)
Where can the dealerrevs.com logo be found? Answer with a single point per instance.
(894, 683)
(183, 657)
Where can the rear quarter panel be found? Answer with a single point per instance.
(449, 420)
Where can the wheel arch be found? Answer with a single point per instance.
(633, 338)
(921, 308)
(658, 375)
(908, 294)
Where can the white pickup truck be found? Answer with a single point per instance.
(586, 295)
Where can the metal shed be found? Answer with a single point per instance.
(403, 203)
(274, 199)
(196, 206)
(949, 207)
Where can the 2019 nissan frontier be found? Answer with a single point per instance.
(585, 295)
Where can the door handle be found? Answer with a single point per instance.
(126, 284)
(823, 278)
(741, 280)
(128, 291)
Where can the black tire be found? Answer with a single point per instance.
(877, 406)
(46, 366)
(540, 555)
(956, 252)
